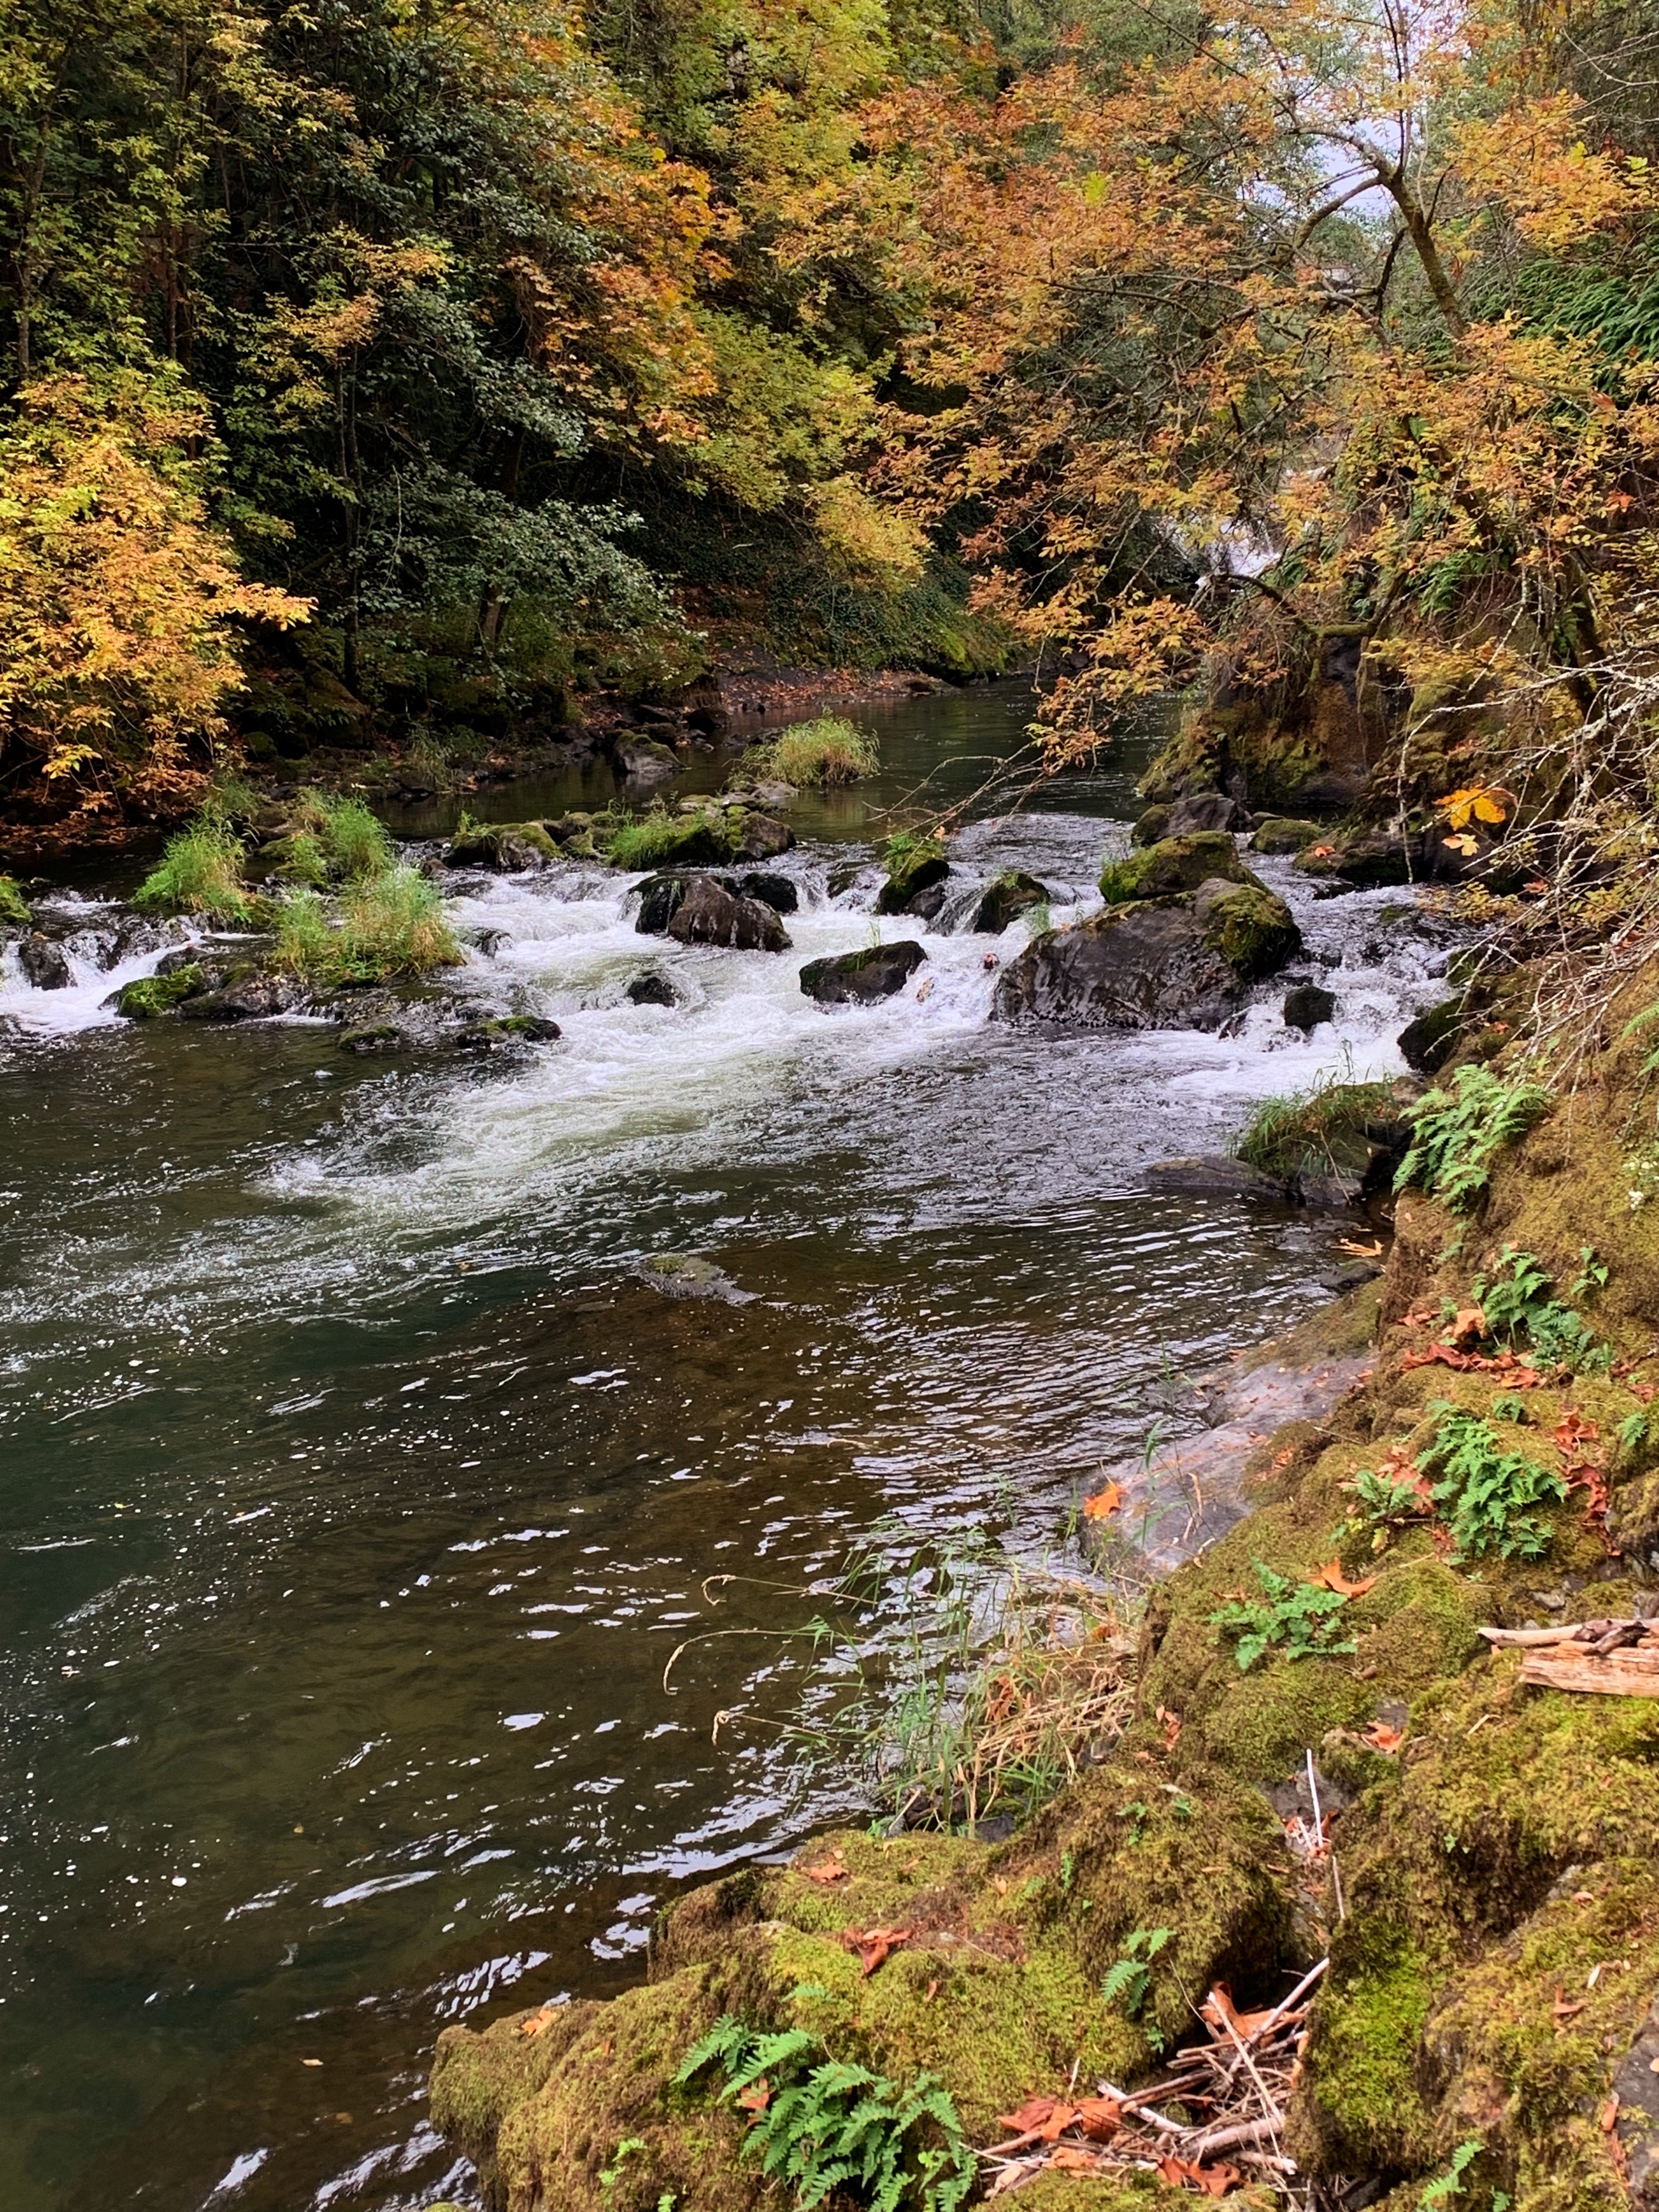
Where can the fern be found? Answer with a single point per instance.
(1457, 1133)
(1517, 1303)
(824, 2125)
(1485, 1494)
(1299, 1615)
(1128, 1982)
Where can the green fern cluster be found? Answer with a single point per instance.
(1485, 1493)
(1457, 1133)
(1518, 1301)
(1300, 1616)
(825, 2125)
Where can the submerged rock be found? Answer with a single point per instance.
(1210, 1175)
(503, 1032)
(1180, 962)
(651, 989)
(1007, 896)
(643, 761)
(685, 1275)
(862, 978)
(44, 963)
(709, 914)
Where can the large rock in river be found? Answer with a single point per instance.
(1181, 963)
(709, 914)
(861, 978)
(1011, 893)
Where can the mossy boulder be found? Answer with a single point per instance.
(1006, 896)
(1174, 865)
(1283, 833)
(1152, 826)
(1362, 859)
(1253, 930)
(504, 848)
(669, 842)
(148, 996)
(912, 871)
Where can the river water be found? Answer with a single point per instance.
(355, 1489)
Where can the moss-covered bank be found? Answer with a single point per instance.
(1495, 1948)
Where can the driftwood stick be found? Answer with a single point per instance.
(1205, 2146)
(1158, 2120)
(1632, 1674)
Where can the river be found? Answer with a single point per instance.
(355, 1489)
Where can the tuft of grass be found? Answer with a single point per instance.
(395, 925)
(305, 942)
(1299, 1133)
(659, 837)
(828, 751)
(200, 871)
(354, 840)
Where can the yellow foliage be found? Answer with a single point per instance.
(118, 600)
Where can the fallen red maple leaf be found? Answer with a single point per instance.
(873, 1944)
(1381, 1737)
(829, 1870)
(1212, 2180)
(1332, 1576)
(1104, 1502)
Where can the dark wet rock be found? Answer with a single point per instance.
(1307, 1005)
(45, 964)
(652, 989)
(709, 914)
(1165, 964)
(1362, 859)
(1205, 811)
(776, 892)
(1283, 833)
(928, 905)
(1174, 865)
(643, 761)
(505, 1032)
(490, 942)
(912, 872)
(129, 939)
(843, 876)
(504, 848)
(861, 978)
(253, 998)
(1006, 895)
(1428, 1042)
(1210, 1175)
(762, 838)
(685, 1275)
(661, 900)
(374, 1037)
(1636, 2100)
(148, 996)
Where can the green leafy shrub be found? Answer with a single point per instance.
(14, 907)
(1458, 1132)
(828, 750)
(824, 2126)
(200, 871)
(1307, 1128)
(1299, 1616)
(1485, 1493)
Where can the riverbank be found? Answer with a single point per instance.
(1478, 1871)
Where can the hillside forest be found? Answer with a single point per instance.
(381, 374)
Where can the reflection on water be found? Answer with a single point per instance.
(355, 1490)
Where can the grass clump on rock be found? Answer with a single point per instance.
(391, 924)
(200, 871)
(1319, 1131)
(825, 751)
(661, 840)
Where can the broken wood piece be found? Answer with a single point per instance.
(1201, 2146)
(1632, 1674)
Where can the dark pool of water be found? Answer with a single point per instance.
(355, 1490)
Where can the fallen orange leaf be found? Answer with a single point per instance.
(829, 1871)
(1069, 2160)
(1212, 2180)
(873, 1944)
(1099, 2117)
(1381, 1737)
(538, 2020)
(756, 2097)
(1103, 1503)
(1332, 1576)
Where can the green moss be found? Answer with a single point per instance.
(150, 995)
(1254, 931)
(1151, 826)
(1361, 2111)
(664, 841)
(489, 844)
(1176, 865)
(1281, 832)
